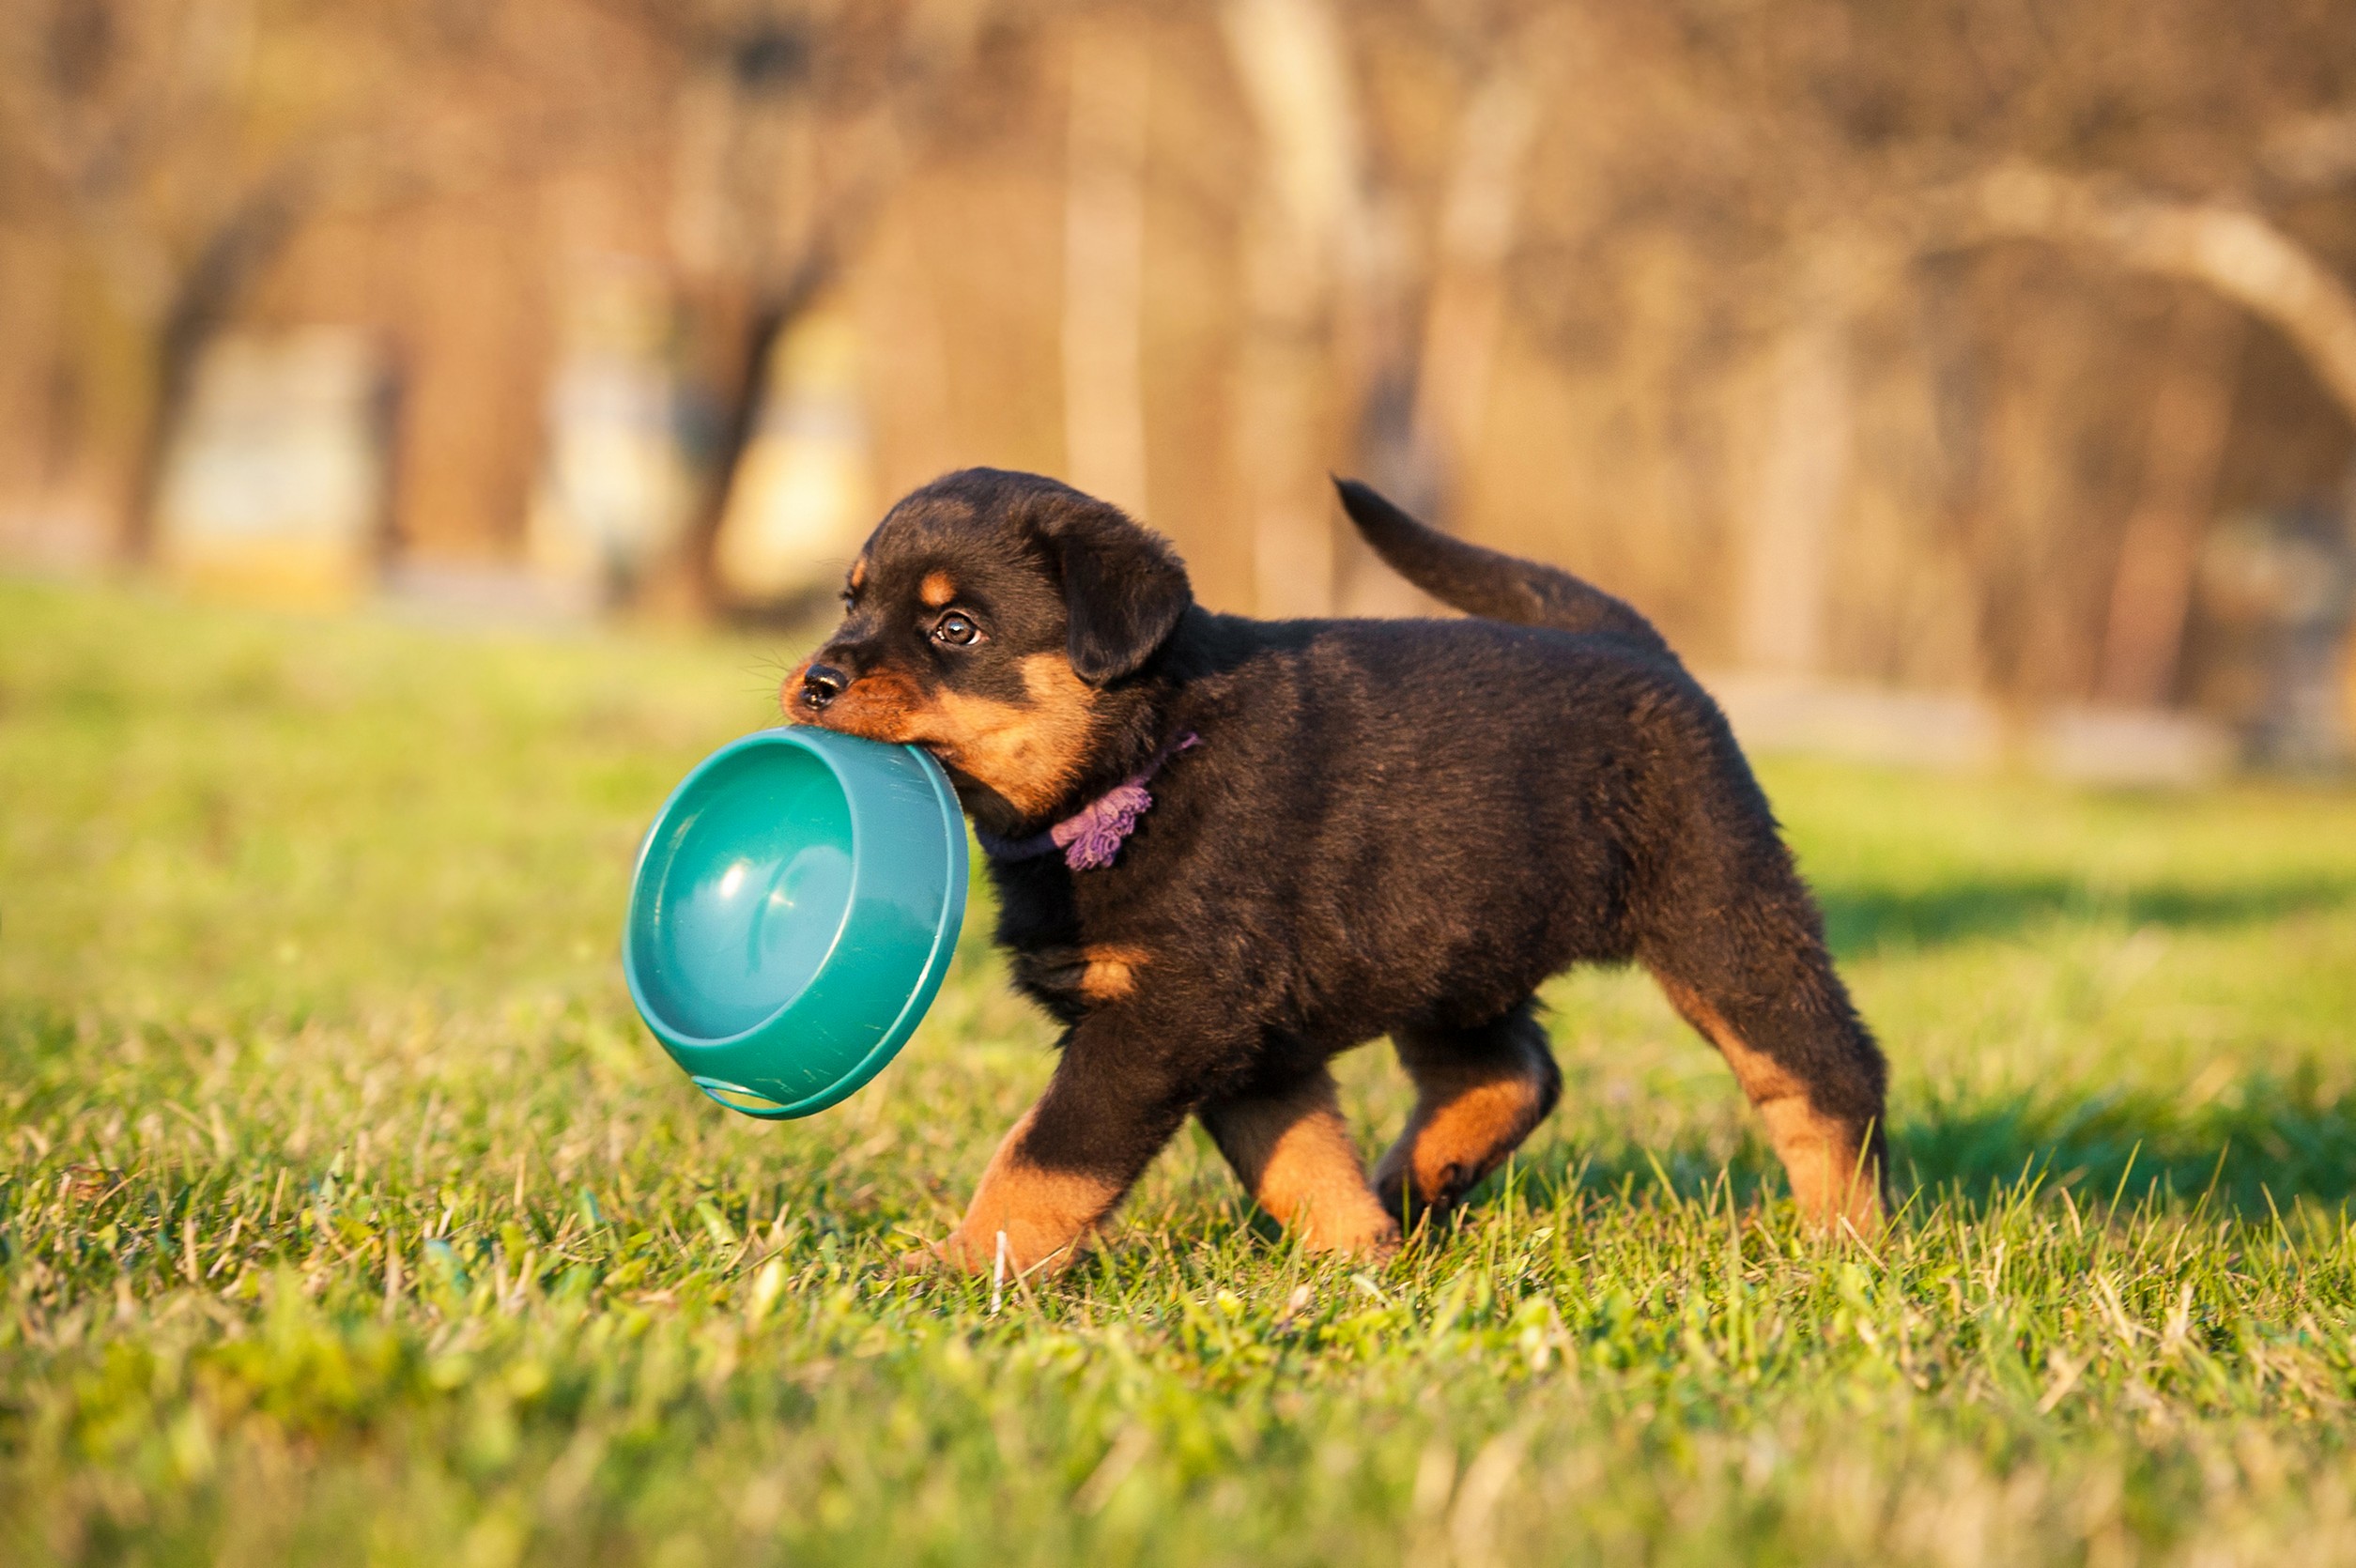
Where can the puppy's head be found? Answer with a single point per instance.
(990, 618)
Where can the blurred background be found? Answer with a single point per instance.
(1957, 382)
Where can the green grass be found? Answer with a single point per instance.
(347, 1215)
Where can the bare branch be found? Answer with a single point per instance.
(2231, 250)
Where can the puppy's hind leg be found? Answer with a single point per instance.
(1479, 1092)
(1292, 1151)
(1805, 1060)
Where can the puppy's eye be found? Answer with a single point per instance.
(957, 627)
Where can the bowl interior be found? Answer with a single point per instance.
(749, 880)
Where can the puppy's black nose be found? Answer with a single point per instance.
(820, 684)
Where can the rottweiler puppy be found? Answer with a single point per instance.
(1228, 850)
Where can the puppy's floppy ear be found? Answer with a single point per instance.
(1124, 588)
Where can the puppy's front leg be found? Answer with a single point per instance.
(1058, 1174)
(1292, 1151)
(1042, 1211)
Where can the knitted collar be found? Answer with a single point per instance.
(1090, 838)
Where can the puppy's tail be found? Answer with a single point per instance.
(1490, 582)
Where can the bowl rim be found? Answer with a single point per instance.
(819, 743)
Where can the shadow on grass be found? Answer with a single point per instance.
(2263, 1140)
(2262, 1143)
(1861, 918)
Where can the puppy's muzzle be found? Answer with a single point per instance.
(820, 684)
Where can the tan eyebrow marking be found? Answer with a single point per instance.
(859, 574)
(937, 589)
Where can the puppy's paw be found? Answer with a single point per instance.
(921, 1260)
(957, 1253)
(960, 1253)
(1374, 1243)
(1025, 1252)
(1434, 1204)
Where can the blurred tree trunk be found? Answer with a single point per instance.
(1480, 217)
(1964, 421)
(1423, 387)
(1803, 473)
(135, 116)
(1104, 255)
(2192, 411)
(791, 136)
(1306, 209)
(743, 336)
(202, 300)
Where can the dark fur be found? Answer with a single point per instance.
(1391, 827)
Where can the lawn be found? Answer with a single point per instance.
(347, 1213)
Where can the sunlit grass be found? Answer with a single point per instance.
(347, 1214)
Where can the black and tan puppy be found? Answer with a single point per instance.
(1354, 828)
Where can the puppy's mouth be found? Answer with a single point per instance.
(1027, 753)
(879, 706)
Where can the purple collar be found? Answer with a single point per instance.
(1091, 836)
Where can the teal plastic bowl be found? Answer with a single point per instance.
(794, 907)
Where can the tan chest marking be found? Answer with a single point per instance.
(1105, 972)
